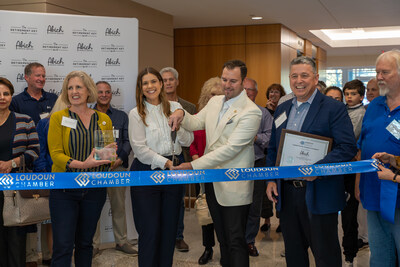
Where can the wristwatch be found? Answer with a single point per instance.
(13, 164)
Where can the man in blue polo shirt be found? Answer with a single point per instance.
(380, 133)
(34, 101)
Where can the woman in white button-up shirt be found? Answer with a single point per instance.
(155, 208)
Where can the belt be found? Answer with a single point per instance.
(296, 183)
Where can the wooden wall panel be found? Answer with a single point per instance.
(307, 48)
(210, 36)
(266, 49)
(264, 65)
(196, 64)
(258, 34)
(321, 63)
(287, 55)
(288, 37)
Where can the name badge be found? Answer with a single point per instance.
(394, 129)
(116, 133)
(281, 119)
(44, 115)
(68, 122)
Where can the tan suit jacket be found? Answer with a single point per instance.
(229, 144)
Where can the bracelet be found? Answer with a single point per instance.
(395, 176)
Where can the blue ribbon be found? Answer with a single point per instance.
(64, 180)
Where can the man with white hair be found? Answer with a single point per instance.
(380, 133)
(170, 77)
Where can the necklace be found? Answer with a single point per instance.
(3, 120)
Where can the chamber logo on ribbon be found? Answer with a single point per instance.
(82, 179)
(6, 180)
(232, 174)
(375, 164)
(158, 177)
(306, 170)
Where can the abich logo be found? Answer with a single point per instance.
(116, 92)
(54, 91)
(84, 47)
(24, 46)
(20, 77)
(51, 29)
(112, 62)
(52, 61)
(112, 32)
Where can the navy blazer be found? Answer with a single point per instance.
(326, 117)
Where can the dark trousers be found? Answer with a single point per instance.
(156, 212)
(206, 230)
(12, 242)
(181, 225)
(267, 208)
(302, 229)
(253, 220)
(349, 220)
(230, 226)
(74, 216)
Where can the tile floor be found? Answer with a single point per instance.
(269, 244)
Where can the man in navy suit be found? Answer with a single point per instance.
(309, 206)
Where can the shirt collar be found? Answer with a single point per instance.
(355, 107)
(150, 107)
(109, 110)
(27, 96)
(232, 100)
(309, 100)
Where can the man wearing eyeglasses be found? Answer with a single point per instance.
(309, 206)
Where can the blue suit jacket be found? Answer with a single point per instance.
(326, 117)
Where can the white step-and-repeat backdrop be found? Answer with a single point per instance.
(104, 47)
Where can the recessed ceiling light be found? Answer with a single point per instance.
(256, 17)
(355, 37)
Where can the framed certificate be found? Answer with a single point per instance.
(297, 148)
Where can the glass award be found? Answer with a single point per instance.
(105, 146)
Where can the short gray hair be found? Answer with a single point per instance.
(395, 54)
(252, 80)
(172, 70)
(305, 60)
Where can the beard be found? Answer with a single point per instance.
(383, 90)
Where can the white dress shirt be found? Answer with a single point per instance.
(151, 143)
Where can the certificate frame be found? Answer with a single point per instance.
(324, 145)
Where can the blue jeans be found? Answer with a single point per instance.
(384, 239)
(74, 216)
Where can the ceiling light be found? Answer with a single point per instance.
(256, 17)
(355, 37)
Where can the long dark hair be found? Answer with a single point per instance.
(140, 98)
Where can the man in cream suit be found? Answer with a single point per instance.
(231, 123)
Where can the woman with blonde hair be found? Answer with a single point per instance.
(75, 212)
